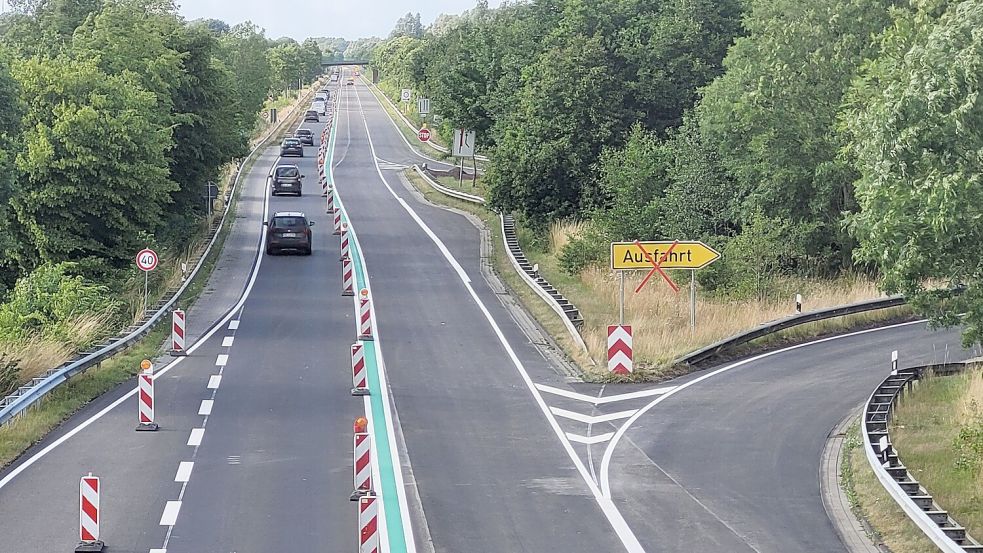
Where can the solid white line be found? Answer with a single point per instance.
(588, 419)
(206, 407)
(609, 450)
(196, 435)
(227, 341)
(214, 381)
(171, 511)
(234, 324)
(222, 360)
(601, 400)
(184, 471)
(610, 510)
(590, 440)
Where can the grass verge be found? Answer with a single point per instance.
(938, 432)
(871, 503)
(24, 431)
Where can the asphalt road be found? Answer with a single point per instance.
(491, 475)
(273, 465)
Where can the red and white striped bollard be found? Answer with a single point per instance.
(345, 243)
(337, 222)
(368, 524)
(330, 199)
(145, 397)
(89, 490)
(364, 315)
(178, 326)
(360, 382)
(347, 278)
(362, 469)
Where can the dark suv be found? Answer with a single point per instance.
(287, 178)
(306, 136)
(288, 230)
(311, 115)
(291, 147)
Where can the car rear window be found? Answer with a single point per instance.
(291, 142)
(289, 222)
(303, 132)
(311, 112)
(287, 172)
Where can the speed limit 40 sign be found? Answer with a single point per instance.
(147, 260)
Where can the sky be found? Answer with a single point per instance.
(300, 19)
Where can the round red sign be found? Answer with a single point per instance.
(147, 260)
(423, 135)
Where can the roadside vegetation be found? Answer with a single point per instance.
(117, 113)
(823, 148)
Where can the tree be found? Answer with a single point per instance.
(409, 25)
(11, 111)
(310, 59)
(285, 61)
(914, 122)
(94, 175)
(772, 115)
(361, 49)
(243, 50)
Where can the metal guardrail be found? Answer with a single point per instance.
(717, 348)
(26, 396)
(448, 191)
(913, 499)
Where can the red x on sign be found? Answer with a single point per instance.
(657, 266)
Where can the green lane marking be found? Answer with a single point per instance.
(394, 519)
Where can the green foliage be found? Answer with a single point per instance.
(969, 443)
(588, 249)
(914, 121)
(9, 374)
(49, 300)
(408, 26)
(286, 63)
(94, 172)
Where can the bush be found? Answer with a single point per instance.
(588, 248)
(49, 300)
(9, 375)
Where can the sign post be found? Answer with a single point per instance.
(464, 140)
(657, 257)
(146, 262)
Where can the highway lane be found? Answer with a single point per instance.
(275, 471)
(491, 473)
(731, 463)
(282, 407)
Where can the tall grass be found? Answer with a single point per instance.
(660, 318)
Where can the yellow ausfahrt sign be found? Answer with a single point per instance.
(626, 256)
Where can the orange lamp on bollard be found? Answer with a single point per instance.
(361, 425)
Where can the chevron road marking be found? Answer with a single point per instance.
(607, 399)
(590, 440)
(589, 419)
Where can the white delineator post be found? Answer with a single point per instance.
(620, 349)
(345, 243)
(360, 382)
(364, 315)
(178, 326)
(368, 524)
(362, 469)
(798, 303)
(145, 393)
(894, 363)
(89, 490)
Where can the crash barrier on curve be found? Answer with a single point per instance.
(28, 395)
(947, 534)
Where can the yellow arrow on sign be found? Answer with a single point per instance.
(626, 256)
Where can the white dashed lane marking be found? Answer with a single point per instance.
(222, 360)
(196, 435)
(227, 341)
(184, 471)
(171, 511)
(234, 324)
(214, 381)
(206, 407)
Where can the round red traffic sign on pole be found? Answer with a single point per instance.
(423, 135)
(147, 260)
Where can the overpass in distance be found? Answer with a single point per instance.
(345, 62)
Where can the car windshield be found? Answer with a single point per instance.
(287, 172)
(289, 222)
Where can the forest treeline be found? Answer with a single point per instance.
(114, 115)
(798, 138)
